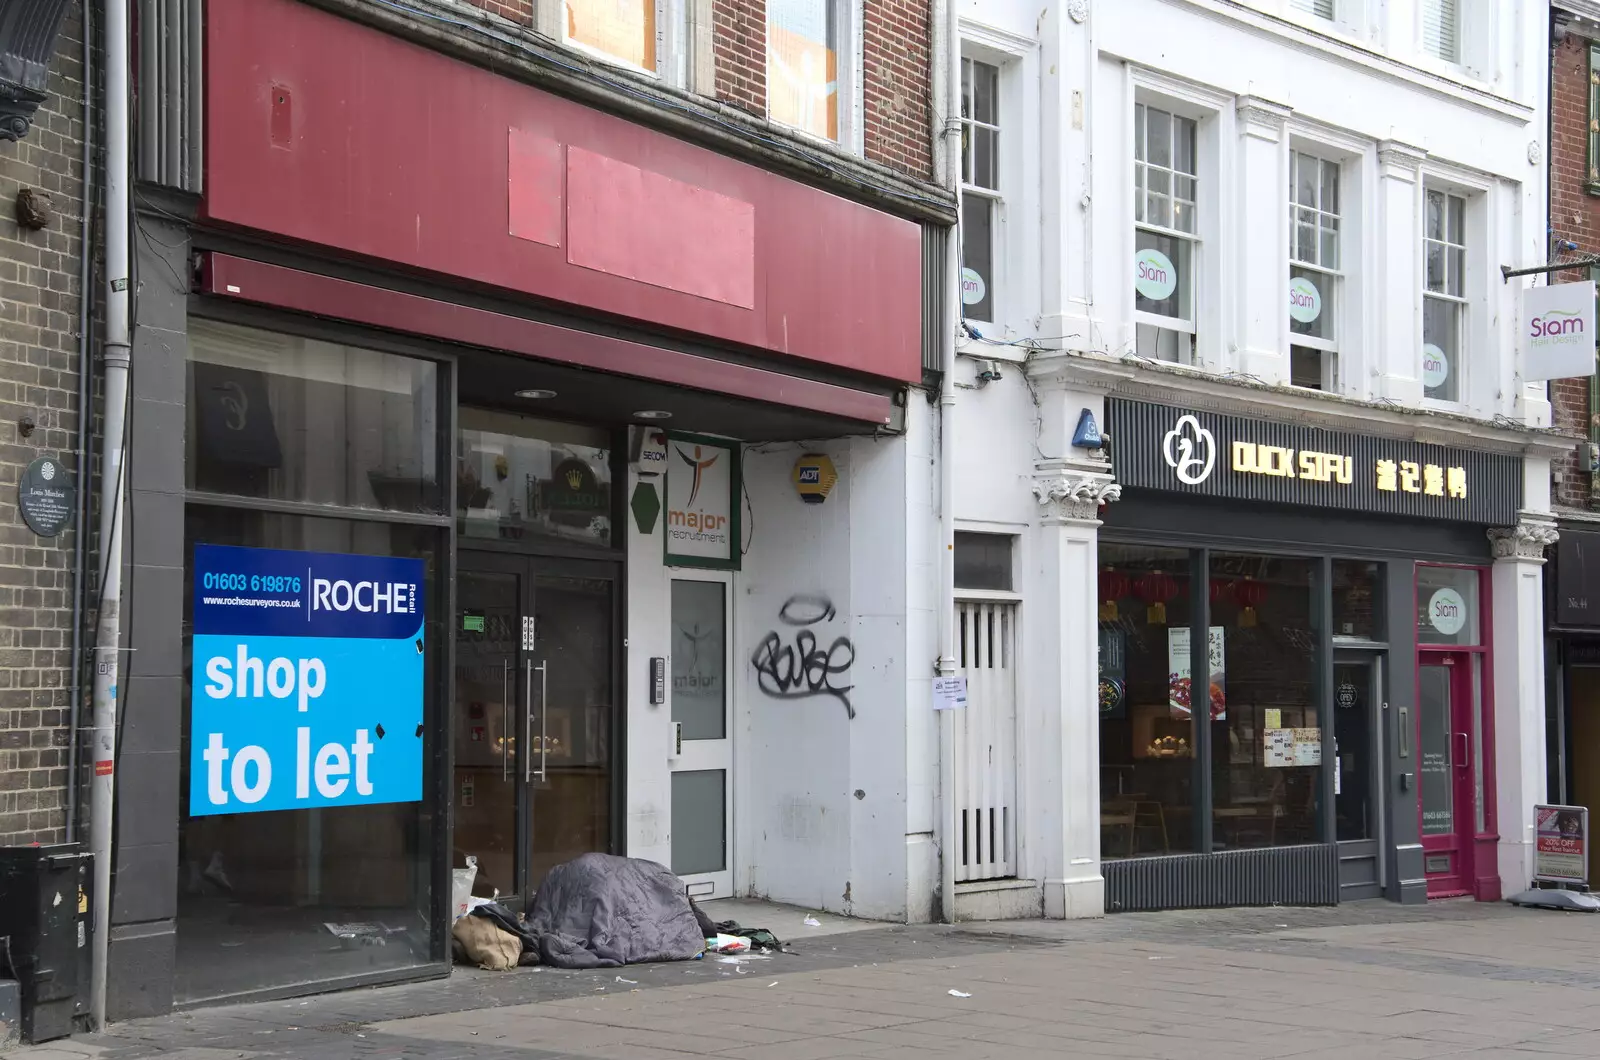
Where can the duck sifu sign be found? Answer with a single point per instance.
(1209, 454)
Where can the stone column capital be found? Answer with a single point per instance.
(1526, 541)
(1072, 491)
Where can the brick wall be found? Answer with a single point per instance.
(38, 379)
(739, 45)
(516, 10)
(1575, 216)
(896, 50)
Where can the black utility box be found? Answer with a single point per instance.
(44, 934)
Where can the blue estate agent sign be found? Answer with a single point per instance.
(307, 686)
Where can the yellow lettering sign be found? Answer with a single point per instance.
(1252, 458)
(1433, 480)
(1457, 479)
(1387, 480)
(1409, 474)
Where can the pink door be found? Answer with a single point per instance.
(1447, 788)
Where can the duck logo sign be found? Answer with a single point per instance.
(1190, 451)
(308, 680)
(702, 528)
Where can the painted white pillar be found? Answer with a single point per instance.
(1519, 677)
(1397, 372)
(1065, 764)
(1262, 291)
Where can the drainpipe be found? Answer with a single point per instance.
(113, 492)
(85, 419)
(947, 151)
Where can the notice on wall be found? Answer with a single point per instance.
(702, 503)
(949, 693)
(308, 680)
(1180, 690)
(1282, 748)
(1561, 844)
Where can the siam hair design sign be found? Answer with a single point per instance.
(1208, 454)
(1558, 336)
(307, 681)
(703, 482)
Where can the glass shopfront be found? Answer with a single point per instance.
(308, 841)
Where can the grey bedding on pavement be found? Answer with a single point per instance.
(604, 911)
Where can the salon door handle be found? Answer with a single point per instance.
(528, 772)
(1466, 758)
(506, 741)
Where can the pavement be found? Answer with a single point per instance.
(1362, 980)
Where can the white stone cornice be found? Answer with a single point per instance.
(1534, 532)
(1400, 161)
(1072, 491)
(1262, 118)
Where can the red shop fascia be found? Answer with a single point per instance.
(343, 165)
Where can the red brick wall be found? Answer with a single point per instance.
(515, 10)
(740, 53)
(896, 78)
(1574, 216)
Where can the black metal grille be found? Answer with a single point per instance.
(1303, 875)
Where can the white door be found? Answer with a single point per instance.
(702, 714)
(986, 743)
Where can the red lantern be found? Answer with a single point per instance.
(1250, 594)
(1113, 587)
(1221, 589)
(1155, 589)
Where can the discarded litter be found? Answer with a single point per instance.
(772, 984)
(959, 993)
(728, 944)
(630, 982)
(812, 921)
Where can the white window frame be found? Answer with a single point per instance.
(1479, 26)
(1301, 152)
(850, 93)
(672, 40)
(1138, 186)
(995, 195)
(1463, 301)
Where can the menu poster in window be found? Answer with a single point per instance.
(1282, 748)
(1561, 850)
(1179, 683)
(308, 680)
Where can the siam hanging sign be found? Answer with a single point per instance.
(1209, 454)
(702, 502)
(308, 680)
(1558, 336)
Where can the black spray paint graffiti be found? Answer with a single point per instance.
(804, 669)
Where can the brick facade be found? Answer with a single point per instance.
(39, 304)
(1574, 216)
(739, 44)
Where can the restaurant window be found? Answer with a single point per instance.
(308, 845)
(1315, 263)
(983, 561)
(1147, 731)
(1165, 232)
(1266, 735)
(1358, 599)
(1444, 295)
(623, 30)
(980, 186)
(810, 65)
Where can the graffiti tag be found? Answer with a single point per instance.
(804, 669)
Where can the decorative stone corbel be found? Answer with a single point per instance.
(28, 30)
(1072, 491)
(1526, 541)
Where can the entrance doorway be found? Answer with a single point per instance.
(1450, 777)
(1357, 779)
(534, 715)
(702, 751)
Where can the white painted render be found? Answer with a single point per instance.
(1262, 78)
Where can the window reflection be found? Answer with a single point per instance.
(520, 477)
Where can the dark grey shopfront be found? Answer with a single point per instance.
(1349, 748)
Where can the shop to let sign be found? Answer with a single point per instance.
(308, 680)
(1561, 844)
(1209, 454)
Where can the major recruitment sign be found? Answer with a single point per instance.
(307, 680)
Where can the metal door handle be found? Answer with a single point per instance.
(544, 719)
(1465, 758)
(527, 720)
(505, 719)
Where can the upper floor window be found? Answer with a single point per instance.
(1165, 233)
(624, 30)
(980, 185)
(805, 42)
(1441, 29)
(1593, 179)
(1444, 295)
(1320, 8)
(1314, 271)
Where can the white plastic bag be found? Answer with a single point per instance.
(461, 881)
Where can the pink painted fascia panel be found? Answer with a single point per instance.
(393, 152)
(628, 221)
(533, 187)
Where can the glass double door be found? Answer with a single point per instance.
(534, 716)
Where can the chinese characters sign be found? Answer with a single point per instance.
(1207, 454)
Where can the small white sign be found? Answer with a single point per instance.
(949, 693)
(1447, 612)
(1154, 275)
(972, 287)
(1305, 302)
(1558, 335)
(1435, 366)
